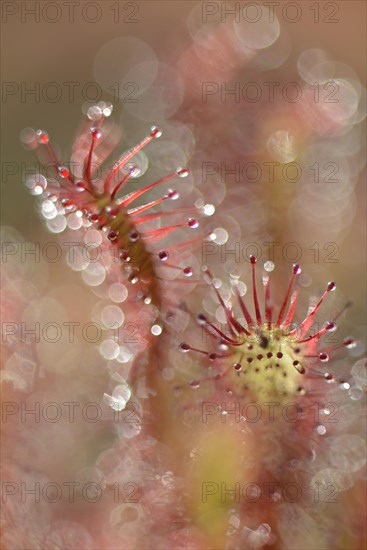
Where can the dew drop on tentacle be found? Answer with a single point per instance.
(134, 236)
(163, 255)
(173, 194)
(193, 223)
(112, 236)
(96, 133)
(67, 204)
(184, 347)
(350, 343)
(155, 132)
(64, 173)
(125, 256)
(42, 137)
(80, 186)
(187, 271)
(201, 319)
(182, 172)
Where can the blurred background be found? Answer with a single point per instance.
(192, 69)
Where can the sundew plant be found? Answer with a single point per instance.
(183, 359)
